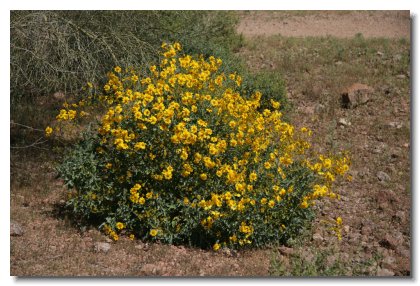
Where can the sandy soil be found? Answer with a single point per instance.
(390, 24)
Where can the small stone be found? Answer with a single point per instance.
(346, 228)
(59, 96)
(397, 125)
(317, 237)
(384, 272)
(344, 122)
(149, 269)
(286, 250)
(400, 215)
(319, 108)
(355, 95)
(381, 54)
(15, 229)
(391, 242)
(401, 76)
(388, 262)
(383, 177)
(226, 251)
(366, 230)
(102, 247)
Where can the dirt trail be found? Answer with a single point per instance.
(342, 24)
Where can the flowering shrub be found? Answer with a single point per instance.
(182, 157)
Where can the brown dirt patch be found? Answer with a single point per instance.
(341, 24)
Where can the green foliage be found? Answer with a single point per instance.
(181, 156)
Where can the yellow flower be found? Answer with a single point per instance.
(203, 176)
(153, 232)
(140, 145)
(216, 246)
(253, 177)
(48, 131)
(153, 120)
(339, 221)
(120, 225)
(304, 205)
(142, 201)
(117, 69)
(267, 165)
(132, 237)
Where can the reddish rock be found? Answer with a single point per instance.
(355, 95)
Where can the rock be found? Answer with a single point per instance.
(363, 173)
(344, 122)
(142, 246)
(366, 230)
(399, 216)
(388, 262)
(379, 148)
(59, 96)
(346, 228)
(317, 237)
(384, 272)
(404, 252)
(15, 229)
(355, 95)
(397, 125)
(226, 251)
(319, 108)
(401, 76)
(383, 177)
(102, 247)
(149, 269)
(286, 250)
(391, 242)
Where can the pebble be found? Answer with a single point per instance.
(286, 250)
(102, 247)
(384, 272)
(317, 237)
(16, 229)
(383, 177)
(344, 122)
(149, 269)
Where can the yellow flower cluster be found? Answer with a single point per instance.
(110, 232)
(48, 131)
